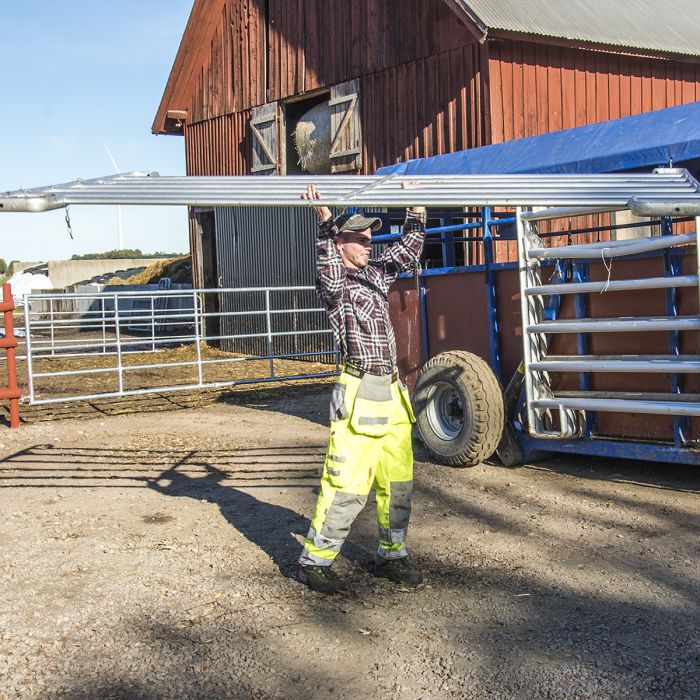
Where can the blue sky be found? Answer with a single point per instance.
(77, 74)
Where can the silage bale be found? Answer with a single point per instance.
(312, 140)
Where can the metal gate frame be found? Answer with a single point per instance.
(666, 192)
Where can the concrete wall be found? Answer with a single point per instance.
(65, 272)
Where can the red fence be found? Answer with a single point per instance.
(9, 342)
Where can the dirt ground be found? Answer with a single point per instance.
(152, 555)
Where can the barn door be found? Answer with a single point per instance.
(264, 128)
(346, 130)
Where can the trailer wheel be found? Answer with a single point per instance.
(459, 408)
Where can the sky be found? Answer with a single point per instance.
(78, 74)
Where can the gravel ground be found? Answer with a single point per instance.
(151, 555)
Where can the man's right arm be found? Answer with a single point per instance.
(330, 271)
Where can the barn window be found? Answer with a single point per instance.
(323, 132)
(307, 132)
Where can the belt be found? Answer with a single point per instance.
(354, 371)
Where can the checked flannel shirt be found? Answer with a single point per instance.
(357, 301)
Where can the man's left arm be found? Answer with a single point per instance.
(404, 254)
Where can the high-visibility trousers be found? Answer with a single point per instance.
(369, 445)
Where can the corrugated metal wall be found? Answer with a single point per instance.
(538, 88)
(269, 247)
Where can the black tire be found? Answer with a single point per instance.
(459, 408)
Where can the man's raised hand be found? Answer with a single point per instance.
(323, 213)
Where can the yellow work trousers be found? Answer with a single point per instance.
(369, 445)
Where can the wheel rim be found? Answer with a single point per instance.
(445, 411)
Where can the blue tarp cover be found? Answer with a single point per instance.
(640, 142)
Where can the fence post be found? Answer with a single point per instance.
(269, 332)
(9, 342)
(197, 335)
(104, 328)
(120, 369)
(28, 343)
(53, 344)
(153, 324)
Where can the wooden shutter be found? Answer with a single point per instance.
(263, 125)
(346, 130)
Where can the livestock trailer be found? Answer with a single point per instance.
(587, 348)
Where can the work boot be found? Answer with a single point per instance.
(320, 578)
(398, 571)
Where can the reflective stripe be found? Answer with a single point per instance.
(385, 552)
(320, 543)
(333, 472)
(337, 458)
(308, 559)
(392, 536)
(369, 420)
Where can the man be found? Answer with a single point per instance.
(371, 415)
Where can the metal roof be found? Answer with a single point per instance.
(672, 26)
(599, 190)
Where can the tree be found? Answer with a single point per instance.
(3, 267)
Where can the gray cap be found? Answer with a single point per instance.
(357, 222)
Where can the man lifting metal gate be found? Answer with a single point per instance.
(457, 395)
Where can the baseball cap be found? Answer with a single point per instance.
(357, 222)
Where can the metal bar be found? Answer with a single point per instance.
(615, 285)
(183, 363)
(673, 267)
(28, 340)
(533, 420)
(580, 272)
(609, 325)
(184, 387)
(643, 451)
(51, 322)
(269, 332)
(615, 249)
(566, 212)
(491, 303)
(120, 376)
(423, 304)
(555, 364)
(198, 338)
(184, 293)
(666, 408)
(600, 191)
(104, 328)
(153, 325)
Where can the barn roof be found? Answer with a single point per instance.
(672, 26)
(630, 143)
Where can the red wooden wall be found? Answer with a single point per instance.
(538, 88)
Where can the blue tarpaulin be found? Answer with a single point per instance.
(643, 141)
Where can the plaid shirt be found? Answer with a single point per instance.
(357, 301)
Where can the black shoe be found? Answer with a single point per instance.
(398, 571)
(320, 578)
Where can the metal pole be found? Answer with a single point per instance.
(269, 332)
(51, 326)
(533, 420)
(120, 369)
(495, 355)
(28, 342)
(104, 327)
(153, 326)
(197, 335)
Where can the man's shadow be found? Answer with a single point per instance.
(270, 527)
